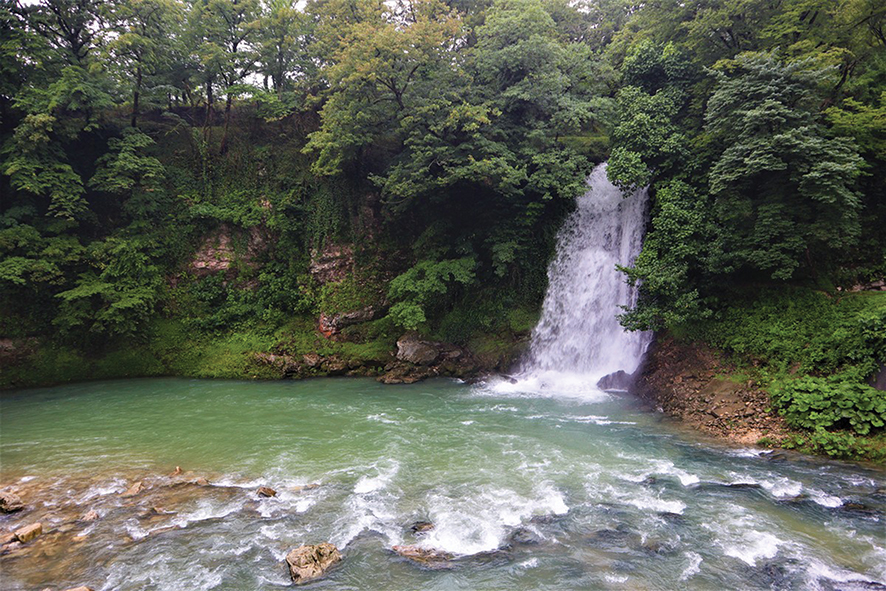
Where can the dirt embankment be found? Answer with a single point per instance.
(689, 381)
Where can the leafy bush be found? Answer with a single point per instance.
(424, 286)
(831, 403)
(800, 330)
(840, 445)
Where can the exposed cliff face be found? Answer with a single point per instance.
(689, 381)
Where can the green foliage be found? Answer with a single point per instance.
(802, 329)
(115, 298)
(647, 142)
(125, 168)
(423, 286)
(839, 445)
(784, 191)
(674, 260)
(37, 165)
(350, 294)
(831, 403)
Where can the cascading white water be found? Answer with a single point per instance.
(578, 339)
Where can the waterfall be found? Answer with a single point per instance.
(578, 339)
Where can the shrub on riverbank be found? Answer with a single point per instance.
(814, 352)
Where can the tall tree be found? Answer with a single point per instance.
(146, 32)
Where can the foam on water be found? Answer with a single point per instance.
(480, 523)
(372, 506)
(693, 567)
(754, 545)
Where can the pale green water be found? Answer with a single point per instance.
(612, 498)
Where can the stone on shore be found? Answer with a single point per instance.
(308, 562)
(411, 348)
(29, 532)
(10, 502)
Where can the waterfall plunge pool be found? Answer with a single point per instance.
(527, 492)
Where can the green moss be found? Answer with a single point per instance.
(350, 294)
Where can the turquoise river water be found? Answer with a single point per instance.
(527, 492)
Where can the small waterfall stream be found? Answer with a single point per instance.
(578, 339)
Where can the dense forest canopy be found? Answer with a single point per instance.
(446, 139)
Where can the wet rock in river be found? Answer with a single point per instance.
(619, 380)
(152, 513)
(774, 456)
(266, 491)
(421, 527)
(10, 547)
(10, 502)
(729, 486)
(858, 508)
(308, 562)
(29, 532)
(6, 537)
(523, 536)
(80, 588)
(304, 487)
(425, 556)
(133, 490)
(860, 586)
(90, 516)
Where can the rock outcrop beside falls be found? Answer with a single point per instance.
(684, 381)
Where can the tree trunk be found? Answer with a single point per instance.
(224, 141)
(207, 122)
(135, 95)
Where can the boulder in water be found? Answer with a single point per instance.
(509, 379)
(90, 516)
(133, 490)
(523, 536)
(266, 491)
(421, 527)
(425, 556)
(774, 456)
(29, 532)
(620, 380)
(308, 562)
(10, 502)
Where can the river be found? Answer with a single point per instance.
(526, 491)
